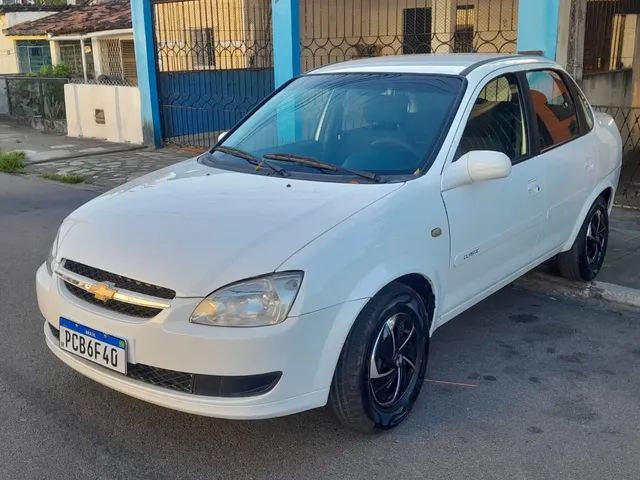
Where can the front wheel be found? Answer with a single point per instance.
(585, 259)
(382, 365)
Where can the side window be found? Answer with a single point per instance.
(497, 121)
(554, 108)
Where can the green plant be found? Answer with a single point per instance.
(64, 177)
(58, 71)
(11, 162)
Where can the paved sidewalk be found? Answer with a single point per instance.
(619, 279)
(622, 264)
(41, 146)
(112, 169)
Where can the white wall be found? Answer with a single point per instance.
(121, 106)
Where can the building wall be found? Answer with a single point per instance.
(117, 106)
(212, 34)
(8, 55)
(612, 88)
(337, 31)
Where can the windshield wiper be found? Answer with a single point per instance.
(253, 160)
(322, 166)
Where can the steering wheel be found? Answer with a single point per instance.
(396, 143)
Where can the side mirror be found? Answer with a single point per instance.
(476, 166)
(221, 135)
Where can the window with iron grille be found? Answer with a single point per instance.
(118, 61)
(32, 55)
(465, 29)
(416, 30)
(71, 56)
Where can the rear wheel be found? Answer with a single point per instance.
(585, 259)
(382, 365)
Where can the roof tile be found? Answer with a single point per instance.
(100, 17)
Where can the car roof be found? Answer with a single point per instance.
(439, 63)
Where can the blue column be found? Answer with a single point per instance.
(142, 21)
(538, 26)
(286, 39)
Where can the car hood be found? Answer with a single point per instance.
(193, 228)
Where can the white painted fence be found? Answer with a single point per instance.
(106, 112)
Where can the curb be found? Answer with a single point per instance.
(551, 285)
(85, 154)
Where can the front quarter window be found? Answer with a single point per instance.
(386, 124)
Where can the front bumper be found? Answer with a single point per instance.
(305, 349)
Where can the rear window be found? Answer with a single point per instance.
(554, 108)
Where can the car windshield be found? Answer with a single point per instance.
(385, 124)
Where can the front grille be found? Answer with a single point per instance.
(119, 281)
(179, 381)
(114, 305)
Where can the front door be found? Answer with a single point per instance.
(494, 225)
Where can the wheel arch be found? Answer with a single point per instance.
(424, 288)
(607, 194)
(605, 190)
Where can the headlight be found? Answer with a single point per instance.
(251, 303)
(53, 252)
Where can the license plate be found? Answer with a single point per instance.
(98, 347)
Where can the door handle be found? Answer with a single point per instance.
(533, 186)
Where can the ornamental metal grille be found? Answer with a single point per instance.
(333, 31)
(628, 121)
(215, 63)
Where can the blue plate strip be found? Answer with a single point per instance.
(90, 332)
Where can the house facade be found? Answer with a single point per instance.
(28, 53)
(95, 40)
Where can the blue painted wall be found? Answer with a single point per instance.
(142, 20)
(538, 26)
(210, 101)
(286, 39)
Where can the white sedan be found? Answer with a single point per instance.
(310, 255)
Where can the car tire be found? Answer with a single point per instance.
(584, 260)
(382, 365)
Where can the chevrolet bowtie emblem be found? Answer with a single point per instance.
(102, 291)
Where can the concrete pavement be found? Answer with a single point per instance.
(521, 386)
(43, 147)
(109, 170)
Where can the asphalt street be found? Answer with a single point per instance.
(522, 386)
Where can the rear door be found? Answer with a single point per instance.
(495, 225)
(568, 153)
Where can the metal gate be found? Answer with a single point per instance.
(215, 62)
(628, 121)
(333, 31)
(37, 102)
